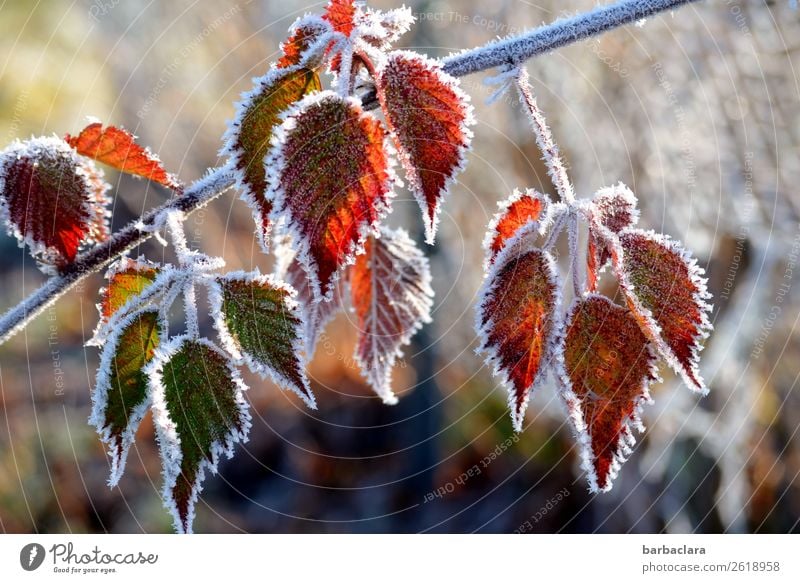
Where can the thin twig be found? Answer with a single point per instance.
(544, 139)
(511, 51)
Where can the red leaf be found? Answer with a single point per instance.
(331, 180)
(117, 148)
(342, 15)
(392, 297)
(429, 117)
(247, 140)
(316, 315)
(518, 322)
(522, 209)
(666, 291)
(608, 366)
(51, 199)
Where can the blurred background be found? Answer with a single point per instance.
(696, 111)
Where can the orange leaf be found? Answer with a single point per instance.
(342, 15)
(608, 366)
(518, 322)
(117, 148)
(518, 211)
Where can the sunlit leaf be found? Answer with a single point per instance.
(331, 180)
(666, 290)
(608, 366)
(259, 324)
(118, 148)
(51, 199)
(247, 139)
(429, 117)
(518, 322)
(392, 296)
(120, 397)
(528, 210)
(200, 413)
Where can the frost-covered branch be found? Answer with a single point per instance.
(195, 196)
(516, 50)
(510, 51)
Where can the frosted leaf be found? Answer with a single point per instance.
(248, 137)
(258, 322)
(666, 291)
(392, 297)
(330, 206)
(528, 210)
(52, 199)
(606, 367)
(518, 322)
(429, 117)
(120, 397)
(118, 148)
(199, 412)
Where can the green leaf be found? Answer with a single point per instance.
(260, 325)
(199, 412)
(247, 140)
(120, 397)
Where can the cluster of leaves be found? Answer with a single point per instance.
(602, 354)
(317, 169)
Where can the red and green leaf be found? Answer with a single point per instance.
(518, 322)
(247, 140)
(200, 413)
(331, 180)
(528, 211)
(429, 117)
(126, 280)
(121, 398)
(392, 297)
(52, 199)
(666, 291)
(259, 324)
(608, 366)
(118, 148)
